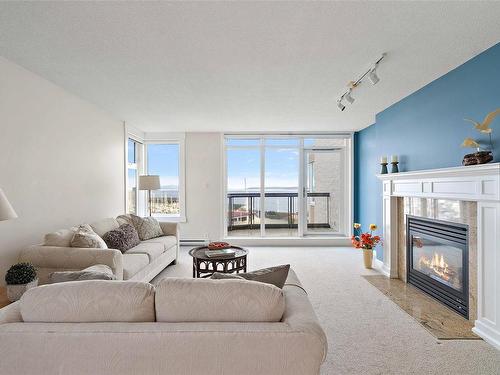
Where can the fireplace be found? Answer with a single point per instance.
(437, 260)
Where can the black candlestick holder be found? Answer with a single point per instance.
(394, 168)
(384, 168)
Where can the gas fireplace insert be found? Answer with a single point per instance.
(437, 260)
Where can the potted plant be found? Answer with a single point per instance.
(19, 278)
(366, 241)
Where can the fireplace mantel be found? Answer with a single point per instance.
(479, 183)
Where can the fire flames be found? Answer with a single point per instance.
(437, 264)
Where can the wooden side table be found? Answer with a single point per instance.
(4, 301)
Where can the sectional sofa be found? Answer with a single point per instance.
(141, 263)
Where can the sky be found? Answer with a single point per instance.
(163, 160)
(281, 168)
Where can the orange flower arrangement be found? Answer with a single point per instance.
(364, 240)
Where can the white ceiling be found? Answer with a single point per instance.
(243, 66)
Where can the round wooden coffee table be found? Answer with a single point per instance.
(207, 266)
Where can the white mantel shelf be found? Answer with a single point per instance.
(471, 183)
(479, 183)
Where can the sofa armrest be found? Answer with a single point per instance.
(300, 316)
(72, 258)
(170, 229)
(11, 313)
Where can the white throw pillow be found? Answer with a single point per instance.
(87, 238)
(60, 238)
(89, 301)
(205, 300)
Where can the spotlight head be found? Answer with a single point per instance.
(340, 105)
(348, 97)
(372, 76)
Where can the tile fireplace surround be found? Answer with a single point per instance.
(468, 195)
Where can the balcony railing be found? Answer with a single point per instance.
(244, 211)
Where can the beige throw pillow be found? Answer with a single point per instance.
(146, 227)
(60, 238)
(85, 237)
(96, 272)
(273, 275)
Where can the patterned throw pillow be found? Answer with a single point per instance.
(122, 238)
(147, 227)
(272, 275)
(85, 237)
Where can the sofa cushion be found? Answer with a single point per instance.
(133, 263)
(89, 301)
(96, 272)
(122, 238)
(85, 237)
(103, 226)
(167, 241)
(205, 300)
(152, 249)
(147, 227)
(60, 238)
(273, 275)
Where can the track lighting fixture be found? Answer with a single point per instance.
(348, 97)
(372, 77)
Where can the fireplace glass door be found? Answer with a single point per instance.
(439, 261)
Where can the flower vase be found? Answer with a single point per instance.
(368, 258)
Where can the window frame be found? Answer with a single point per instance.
(137, 166)
(177, 139)
(348, 212)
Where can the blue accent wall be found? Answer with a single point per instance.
(426, 129)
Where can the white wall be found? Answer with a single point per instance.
(61, 160)
(203, 187)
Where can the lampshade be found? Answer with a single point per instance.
(149, 182)
(6, 210)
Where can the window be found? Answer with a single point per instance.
(165, 159)
(288, 186)
(133, 152)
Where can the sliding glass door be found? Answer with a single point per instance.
(287, 186)
(281, 187)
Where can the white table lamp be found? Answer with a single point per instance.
(149, 182)
(6, 210)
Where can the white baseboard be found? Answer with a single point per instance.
(488, 335)
(380, 266)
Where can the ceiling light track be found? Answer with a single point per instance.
(372, 77)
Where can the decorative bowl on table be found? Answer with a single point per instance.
(218, 245)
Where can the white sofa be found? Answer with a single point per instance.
(141, 263)
(292, 345)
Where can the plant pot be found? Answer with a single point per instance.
(15, 291)
(368, 258)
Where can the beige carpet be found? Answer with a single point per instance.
(367, 333)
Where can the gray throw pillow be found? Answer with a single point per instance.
(96, 272)
(85, 237)
(272, 275)
(147, 227)
(122, 238)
